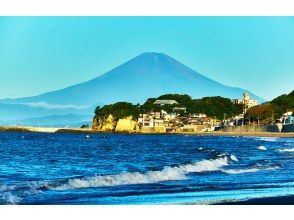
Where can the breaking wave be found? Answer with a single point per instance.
(261, 148)
(166, 174)
(269, 139)
(249, 170)
(9, 198)
(286, 150)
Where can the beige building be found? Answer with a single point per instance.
(246, 101)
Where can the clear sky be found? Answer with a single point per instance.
(40, 54)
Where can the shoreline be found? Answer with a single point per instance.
(90, 131)
(279, 200)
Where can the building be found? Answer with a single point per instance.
(246, 101)
(168, 116)
(287, 118)
(152, 119)
(178, 109)
(165, 102)
(145, 121)
(199, 115)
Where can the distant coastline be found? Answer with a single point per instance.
(91, 131)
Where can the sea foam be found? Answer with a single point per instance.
(286, 150)
(248, 170)
(269, 139)
(9, 198)
(126, 178)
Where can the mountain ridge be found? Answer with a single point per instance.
(148, 75)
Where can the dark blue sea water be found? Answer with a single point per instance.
(40, 168)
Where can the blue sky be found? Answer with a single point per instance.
(40, 54)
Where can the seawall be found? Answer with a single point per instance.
(288, 128)
(260, 128)
(256, 128)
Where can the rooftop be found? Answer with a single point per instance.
(165, 102)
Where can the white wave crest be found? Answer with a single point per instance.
(233, 157)
(126, 178)
(261, 148)
(239, 171)
(6, 187)
(286, 150)
(9, 198)
(269, 139)
(248, 170)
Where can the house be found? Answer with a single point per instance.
(150, 120)
(287, 118)
(196, 119)
(145, 120)
(158, 123)
(168, 116)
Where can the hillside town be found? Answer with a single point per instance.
(180, 113)
(163, 121)
(173, 121)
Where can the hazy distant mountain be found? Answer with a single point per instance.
(70, 120)
(147, 75)
(11, 111)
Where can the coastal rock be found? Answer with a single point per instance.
(107, 124)
(127, 125)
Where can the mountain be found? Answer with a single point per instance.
(70, 120)
(12, 111)
(147, 75)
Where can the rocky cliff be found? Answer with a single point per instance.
(104, 124)
(127, 125)
(110, 124)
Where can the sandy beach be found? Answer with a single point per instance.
(89, 130)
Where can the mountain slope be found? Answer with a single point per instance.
(147, 75)
(71, 120)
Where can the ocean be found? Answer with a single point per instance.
(48, 168)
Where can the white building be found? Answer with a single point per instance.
(246, 101)
(287, 118)
(165, 102)
(146, 122)
(199, 115)
(152, 119)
